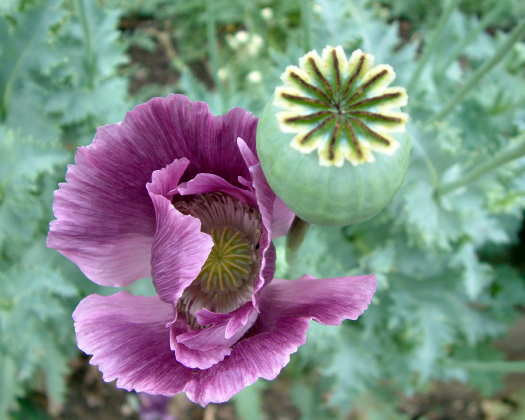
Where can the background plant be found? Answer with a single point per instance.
(446, 250)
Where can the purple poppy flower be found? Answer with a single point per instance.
(178, 194)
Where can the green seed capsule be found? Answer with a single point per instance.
(344, 110)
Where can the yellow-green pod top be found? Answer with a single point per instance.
(330, 141)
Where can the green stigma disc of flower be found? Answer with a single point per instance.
(344, 110)
(229, 263)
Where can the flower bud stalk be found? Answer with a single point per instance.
(295, 238)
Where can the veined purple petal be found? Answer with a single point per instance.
(129, 341)
(261, 355)
(282, 218)
(180, 249)
(267, 268)
(279, 216)
(329, 301)
(165, 181)
(174, 127)
(248, 154)
(106, 260)
(265, 201)
(225, 330)
(105, 219)
(285, 310)
(109, 242)
(205, 347)
(274, 212)
(196, 358)
(242, 320)
(205, 183)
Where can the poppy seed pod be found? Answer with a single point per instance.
(343, 109)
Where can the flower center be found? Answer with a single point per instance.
(227, 277)
(230, 262)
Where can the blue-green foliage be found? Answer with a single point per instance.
(51, 99)
(447, 286)
(33, 293)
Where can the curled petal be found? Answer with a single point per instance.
(179, 249)
(196, 358)
(278, 216)
(285, 310)
(205, 183)
(266, 201)
(225, 329)
(164, 181)
(206, 347)
(261, 355)
(129, 341)
(329, 301)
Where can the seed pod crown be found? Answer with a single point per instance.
(345, 111)
(341, 108)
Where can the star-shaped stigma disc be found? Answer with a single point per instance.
(343, 108)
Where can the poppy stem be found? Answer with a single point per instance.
(89, 59)
(295, 238)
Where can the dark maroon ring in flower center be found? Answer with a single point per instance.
(227, 277)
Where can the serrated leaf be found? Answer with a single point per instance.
(325, 253)
(35, 294)
(24, 161)
(476, 275)
(428, 222)
(22, 52)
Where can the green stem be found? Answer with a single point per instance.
(86, 30)
(500, 159)
(472, 35)
(295, 238)
(211, 34)
(4, 105)
(503, 50)
(499, 109)
(427, 53)
(13, 74)
(501, 366)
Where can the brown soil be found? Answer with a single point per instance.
(157, 67)
(446, 401)
(89, 397)
(150, 67)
